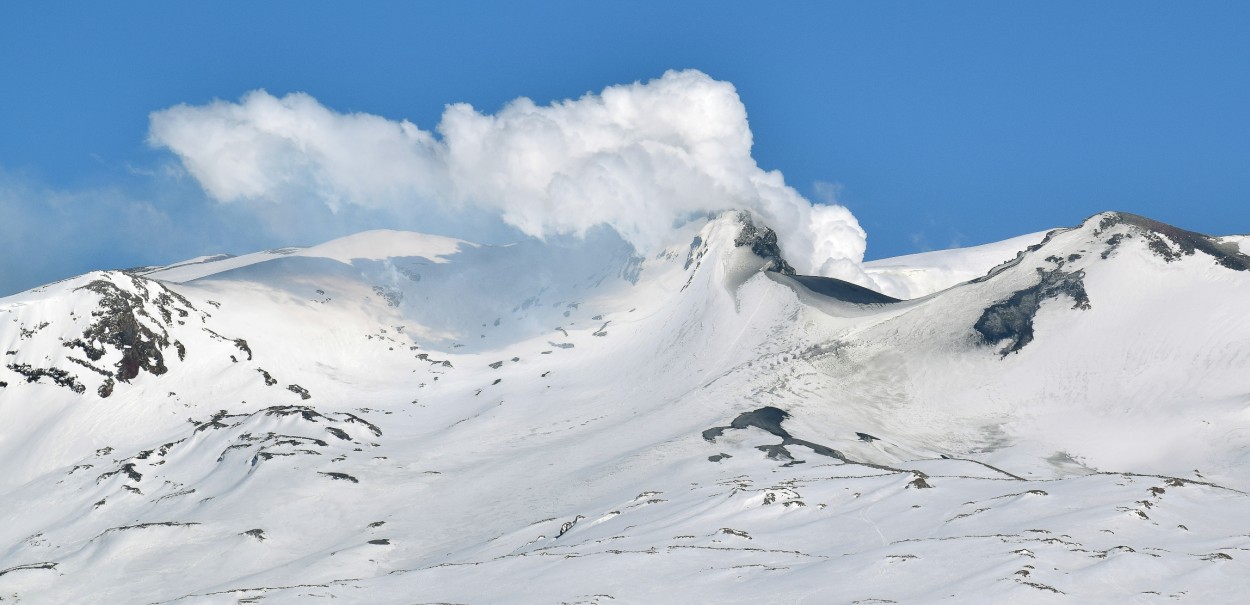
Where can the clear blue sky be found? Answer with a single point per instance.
(951, 123)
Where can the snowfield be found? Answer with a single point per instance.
(400, 418)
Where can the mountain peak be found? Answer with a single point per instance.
(549, 414)
(763, 243)
(1167, 241)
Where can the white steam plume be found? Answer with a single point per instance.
(639, 158)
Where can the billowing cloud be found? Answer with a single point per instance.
(638, 157)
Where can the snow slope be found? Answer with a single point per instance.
(917, 275)
(397, 418)
(369, 245)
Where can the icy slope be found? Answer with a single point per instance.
(424, 420)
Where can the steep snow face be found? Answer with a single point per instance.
(395, 418)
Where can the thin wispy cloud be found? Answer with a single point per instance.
(90, 227)
(51, 233)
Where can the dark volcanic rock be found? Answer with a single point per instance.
(769, 419)
(106, 388)
(763, 242)
(696, 247)
(269, 379)
(340, 433)
(123, 322)
(1012, 319)
(307, 413)
(1171, 243)
(340, 477)
(58, 376)
(44, 565)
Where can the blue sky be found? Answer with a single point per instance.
(936, 124)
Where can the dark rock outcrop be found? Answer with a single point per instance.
(1011, 319)
(843, 290)
(123, 322)
(763, 243)
(1172, 243)
(769, 419)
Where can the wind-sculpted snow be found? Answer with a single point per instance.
(577, 424)
(127, 503)
(831, 534)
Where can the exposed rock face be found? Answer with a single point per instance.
(524, 459)
(58, 376)
(299, 390)
(769, 419)
(1012, 319)
(1173, 243)
(125, 324)
(763, 242)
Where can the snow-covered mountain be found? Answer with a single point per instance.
(397, 418)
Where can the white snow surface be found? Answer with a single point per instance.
(379, 244)
(922, 274)
(398, 418)
(1241, 241)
